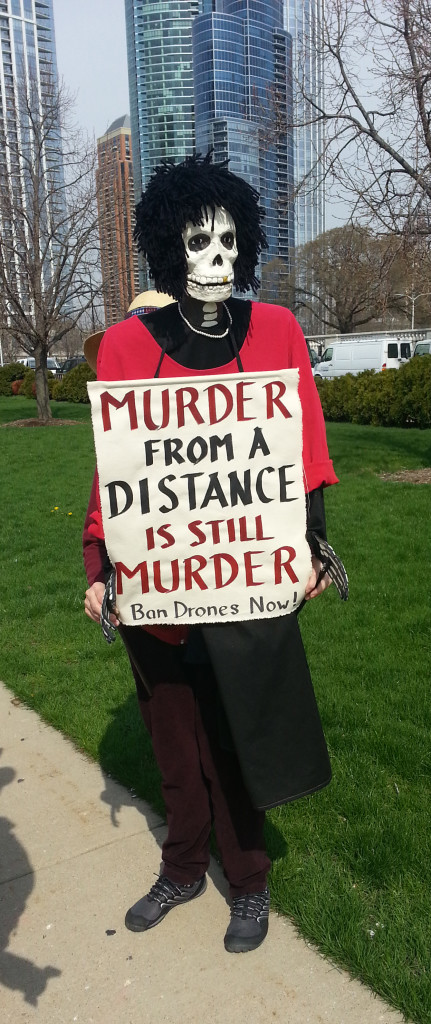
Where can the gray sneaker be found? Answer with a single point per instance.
(163, 895)
(249, 922)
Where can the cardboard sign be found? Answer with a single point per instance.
(202, 496)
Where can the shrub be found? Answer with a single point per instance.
(414, 392)
(336, 397)
(28, 385)
(9, 373)
(73, 387)
(393, 398)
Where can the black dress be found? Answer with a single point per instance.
(261, 669)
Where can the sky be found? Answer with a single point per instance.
(92, 61)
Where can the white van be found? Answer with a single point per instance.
(354, 356)
(51, 364)
(422, 348)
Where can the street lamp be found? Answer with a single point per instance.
(413, 298)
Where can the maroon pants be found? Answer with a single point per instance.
(201, 777)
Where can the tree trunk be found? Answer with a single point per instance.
(42, 394)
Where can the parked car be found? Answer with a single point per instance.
(70, 363)
(422, 348)
(51, 364)
(355, 356)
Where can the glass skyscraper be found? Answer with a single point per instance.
(27, 61)
(201, 73)
(160, 63)
(303, 22)
(242, 66)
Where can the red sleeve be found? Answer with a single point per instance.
(318, 468)
(93, 539)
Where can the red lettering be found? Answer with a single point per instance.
(148, 419)
(196, 532)
(164, 533)
(193, 575)
(175, 578)
(218, 570)
(287, 566)
(107, 400)
(215, 528)
(241, 399)
(250, 568)
(122, 569)
(231, 532)
(182, 405)
(275, 400)
(212, 406)
(259, 530)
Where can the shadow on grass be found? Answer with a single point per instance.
(125, 753)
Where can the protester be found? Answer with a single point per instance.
(229, 705)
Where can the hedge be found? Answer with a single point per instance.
(73, 387)
(393, 398)
(9, 373)
(28, 386)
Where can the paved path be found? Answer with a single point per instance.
(75, 851)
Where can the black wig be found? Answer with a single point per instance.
(185, 192)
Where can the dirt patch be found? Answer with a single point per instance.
(409, 476)
(41, 423)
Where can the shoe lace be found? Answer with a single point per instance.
(163, 889)
(253, 905)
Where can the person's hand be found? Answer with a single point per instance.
(93, 603)
(311, 589)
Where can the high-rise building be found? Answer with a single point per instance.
(303, 22)
(116, 203)
(242, 67)
(28, 66)
(201, 73)
(160, 63)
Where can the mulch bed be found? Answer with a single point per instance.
(408, 476)
(41, 423)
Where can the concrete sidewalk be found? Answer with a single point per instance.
(75, 851)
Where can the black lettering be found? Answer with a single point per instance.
(285, 483)
(191, 477)
(241, 491)
(169, 494)
(258, 443)
(112, 494)
(172, 448)
(221, 442)
(201, 445)
(259, 489)
(214, 492)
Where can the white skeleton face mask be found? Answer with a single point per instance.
(211, 251)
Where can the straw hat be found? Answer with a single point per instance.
(145, 302)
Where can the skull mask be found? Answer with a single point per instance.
(211, 251)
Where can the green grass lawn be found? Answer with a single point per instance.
(351, 865)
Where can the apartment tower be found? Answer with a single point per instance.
(116, 207)
(27, 65)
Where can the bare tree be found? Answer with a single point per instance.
(348, 274)
(376, 109)
(49, 252)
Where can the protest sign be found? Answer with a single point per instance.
(202, 496)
